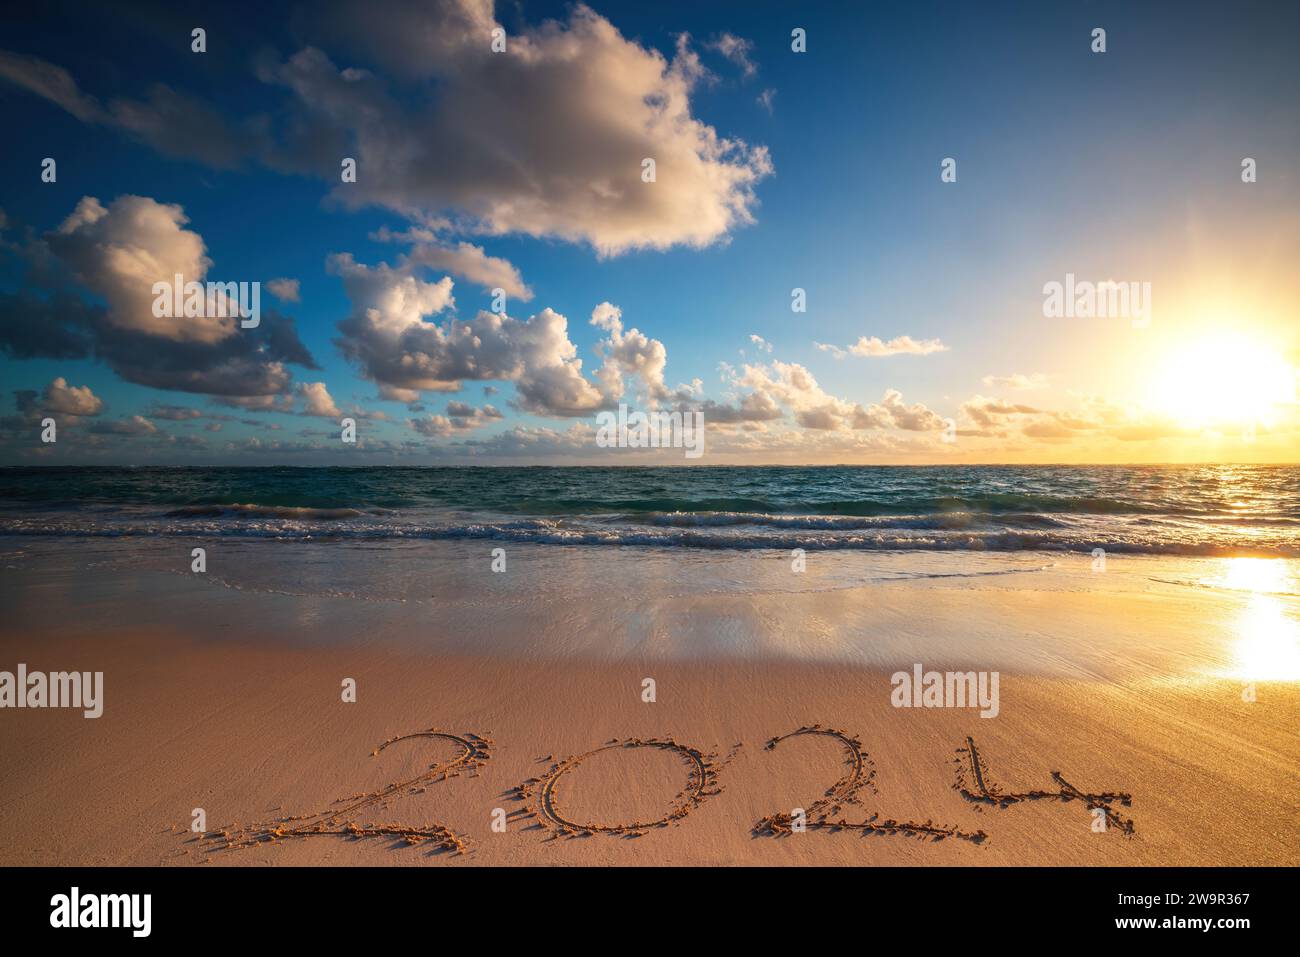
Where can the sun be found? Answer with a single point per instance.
(1223, 380)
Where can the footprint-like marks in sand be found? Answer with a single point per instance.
(542, 793)
(861, 774)
(975, 784)
(475, 750)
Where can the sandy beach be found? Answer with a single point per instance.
(477, 434)
(223, 692)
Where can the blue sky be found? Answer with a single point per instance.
(1122, 165)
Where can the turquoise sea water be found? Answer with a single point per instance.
(1175, 510)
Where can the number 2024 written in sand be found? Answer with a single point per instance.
(541, 798)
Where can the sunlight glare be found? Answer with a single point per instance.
(1267, 646)
(1223, 380)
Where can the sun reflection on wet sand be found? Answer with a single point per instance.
(1267, 645)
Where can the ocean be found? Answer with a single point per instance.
(1209, 510)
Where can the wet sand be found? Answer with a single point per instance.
(230, 700)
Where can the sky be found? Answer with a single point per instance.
(502, 270)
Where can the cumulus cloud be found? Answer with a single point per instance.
(121, 251)
(463, 259)
(390, 337)
(562, 156)
(987, 413)
(286, 290)
(71, 405)
(790, 386)
(910, 418)
(628, 353)
(873, 347)
(754, 407)
(410, 397)
(386, 333)
(546, 139)
(317, 400)
(460, 417)
(116, 253)
(70, 399)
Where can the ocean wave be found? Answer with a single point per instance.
(264, 511)
(894, 505)
(1009, 506)
(946, 520)
(1212, 502)
(552, 532)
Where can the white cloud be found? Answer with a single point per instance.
(738, 50)
(987, 413)
(388, 336)
(70, 399)
(754, 407)
(117, 253)
(286, 290)
(460, 417)
(391, 338)
(875, 348)
(628, 353)
(545, 140)
(471, 262)
(910, 418)
(1018, 381)
(462, 259)
(317, 400)
(792, 386)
